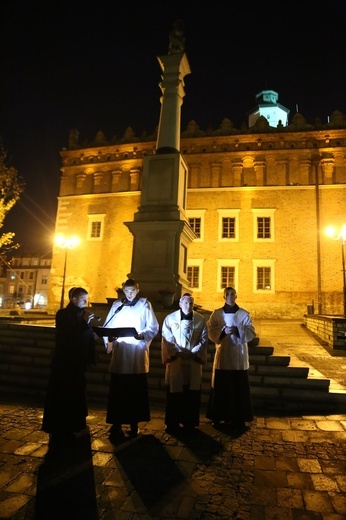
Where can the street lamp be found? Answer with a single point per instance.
(65, 243)
(332, 233)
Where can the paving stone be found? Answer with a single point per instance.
(290, 468)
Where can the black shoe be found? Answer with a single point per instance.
(238, 427)
(116, 429)
(62, 439)
(189, 428)
(60, 445)
(172, 429)
(116, 434)
(134, 431)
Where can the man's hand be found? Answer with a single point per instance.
(184, 353)
(232, 330)
(88, 316)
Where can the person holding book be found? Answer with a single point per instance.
(230, 328)
(184, 353)
(128, 397)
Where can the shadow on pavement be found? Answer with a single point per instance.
(202, 445)
(150, 469)
(66, 485)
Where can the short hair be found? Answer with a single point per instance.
(76, 292)
(130, 283)
(186, 295)
(229, 289)
(70, 293)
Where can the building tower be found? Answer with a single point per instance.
(268, 107)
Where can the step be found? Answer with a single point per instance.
(25, 354)
(279, 371)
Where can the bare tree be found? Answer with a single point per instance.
(11, 187)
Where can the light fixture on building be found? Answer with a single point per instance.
(332, 233)
(65, 243)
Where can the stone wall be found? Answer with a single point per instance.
(331, 330)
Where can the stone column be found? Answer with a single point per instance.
(98, 178)
(237, 171)
(259, 167)
(116, 174)
(161, 233)
(134, 179)
(327, 165)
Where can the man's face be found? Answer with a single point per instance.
(230, 296)
(81, 300)
(131, 292)
(186, 305)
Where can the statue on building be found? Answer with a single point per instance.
(73, 139)
(176, 38)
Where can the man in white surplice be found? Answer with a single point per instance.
(184, 352)
(230, 328)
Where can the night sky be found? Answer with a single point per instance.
(93, 66)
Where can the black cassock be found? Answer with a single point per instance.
(66, 409)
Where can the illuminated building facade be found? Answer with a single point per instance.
(258, 201)
(25, 282)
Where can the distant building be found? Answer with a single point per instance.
(26, 281)
(258, 201)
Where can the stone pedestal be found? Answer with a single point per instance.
(160, 229)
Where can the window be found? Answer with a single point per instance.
(227, 273)
(228, 225)
(31, 275)
(264, 276)
(44, 280)
(196, 219)
(194, 273)
(195, 225)
(227, 276)
(95, 227)
(95, 230)
(263, 225)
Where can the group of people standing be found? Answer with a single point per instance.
(184, 346)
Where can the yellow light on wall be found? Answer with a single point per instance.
(335, 235)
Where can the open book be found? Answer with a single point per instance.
(119, 332)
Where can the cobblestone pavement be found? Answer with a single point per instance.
(280, 468)
(289, 468)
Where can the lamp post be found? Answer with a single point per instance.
(332, 233)
(65, 243)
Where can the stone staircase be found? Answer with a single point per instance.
(277, 387)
